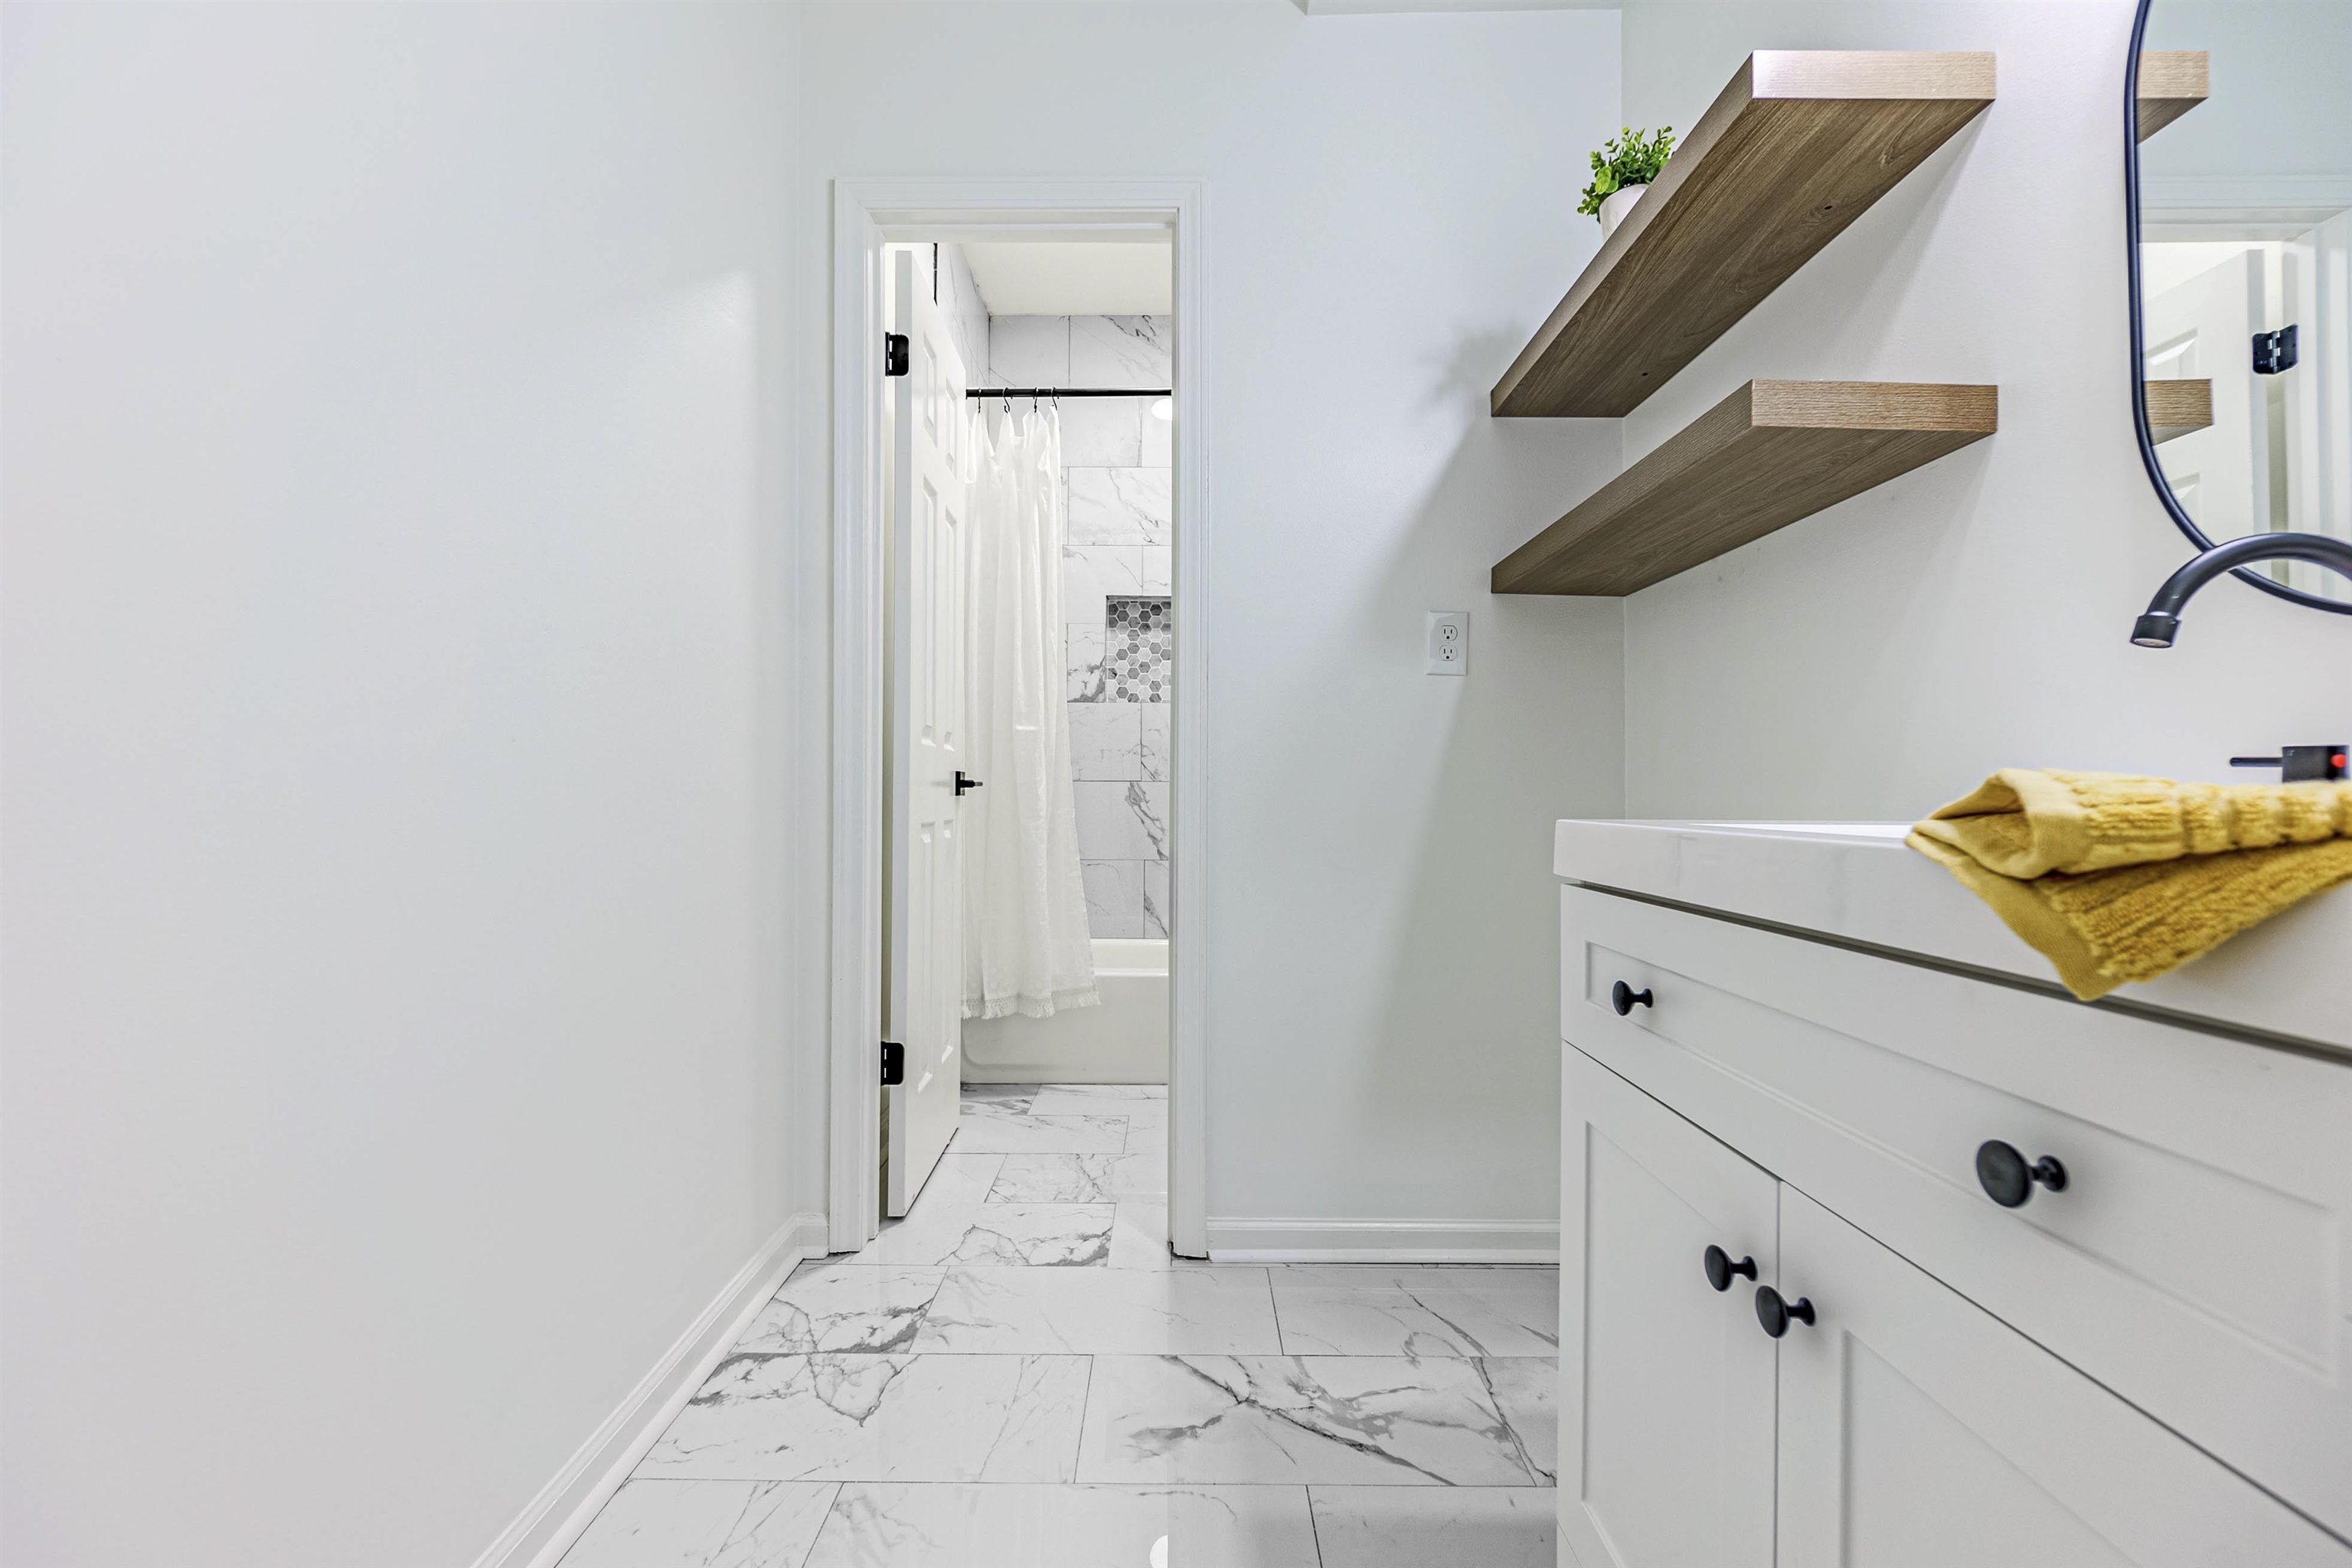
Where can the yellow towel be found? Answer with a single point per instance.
(2114, 878)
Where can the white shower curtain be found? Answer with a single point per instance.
(1025, 948)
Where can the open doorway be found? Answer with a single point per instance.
(1017, 462)
(1027, 591)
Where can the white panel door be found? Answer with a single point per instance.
(927, 503)
(2202, 328)
(1667, 1384)
(1917, 1431)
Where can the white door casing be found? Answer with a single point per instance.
(867, 213)
(928, 498)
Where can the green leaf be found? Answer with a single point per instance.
(1631, 158)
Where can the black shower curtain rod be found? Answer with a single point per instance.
(1071, 391)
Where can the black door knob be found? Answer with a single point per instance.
(2008, 1180)
(1720, 1268)
(1624, 999)
(1775, 1311)
(965, 781)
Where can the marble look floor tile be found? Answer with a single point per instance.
(1375, 1420)
(900, 1526)
(1105, 1311)
(960, 1178)
(986, 1127)
(1018, 1094)
(1138, 1239)
(1417, 1277)
(1527, 1391)
(1113, 1091)
(1418, 1527)
(1338, 1320)
(878, 1418)
(704, 1524)
(1080, 1178)
(1120, 351)
(847, 1306)
(1077, 1099)
(1031, 1236)
(1021, 1311)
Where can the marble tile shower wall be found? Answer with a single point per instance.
(1116, 586)
(967, 313)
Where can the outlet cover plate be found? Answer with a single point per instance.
(1449, 642)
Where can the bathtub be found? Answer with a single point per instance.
(1125, 1040)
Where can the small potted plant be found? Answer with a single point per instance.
(1621, 171)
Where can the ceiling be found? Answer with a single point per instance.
(1074, 278)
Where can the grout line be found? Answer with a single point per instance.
(831, 1504)
(1152, 1488)
(1086, 1404)
(1274, 1300)
(1314, 1527)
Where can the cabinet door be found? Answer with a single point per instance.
(1918, 1431)
(1667, 1384)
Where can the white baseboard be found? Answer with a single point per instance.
(546, 1529)
(1383, 1240)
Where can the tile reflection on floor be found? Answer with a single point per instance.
(1019, 1374)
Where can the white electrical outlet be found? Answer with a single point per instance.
(1449, 642)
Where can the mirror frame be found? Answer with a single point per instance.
(2139, 346)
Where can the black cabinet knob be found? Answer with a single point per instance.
(964, 781)
(1775, 1311)
(1624, 999)
(2008, 1180)
(1720, 1268)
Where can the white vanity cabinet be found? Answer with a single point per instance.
(1675, 1448)
(2149, 1361)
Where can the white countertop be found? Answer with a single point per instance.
(1854, 881)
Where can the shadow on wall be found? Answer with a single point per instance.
(1453, 978)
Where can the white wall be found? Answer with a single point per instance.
(1881, 657)
(2278, 104)
(1391, 210)
(396, 834)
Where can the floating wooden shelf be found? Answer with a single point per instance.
(2178, 408)
(2171, 83)
(1797, 147)
(1770, 453)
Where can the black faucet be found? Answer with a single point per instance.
(2155, 628)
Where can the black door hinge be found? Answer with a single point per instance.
(894, 1063)
(894, 353)
(2275, 352)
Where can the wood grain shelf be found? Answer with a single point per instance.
(2178, 408)
(1770, 453)
(1795, 148)
(2171, 83)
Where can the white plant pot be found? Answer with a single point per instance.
(1614, 207)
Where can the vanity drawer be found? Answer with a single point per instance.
(2194, 1260)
